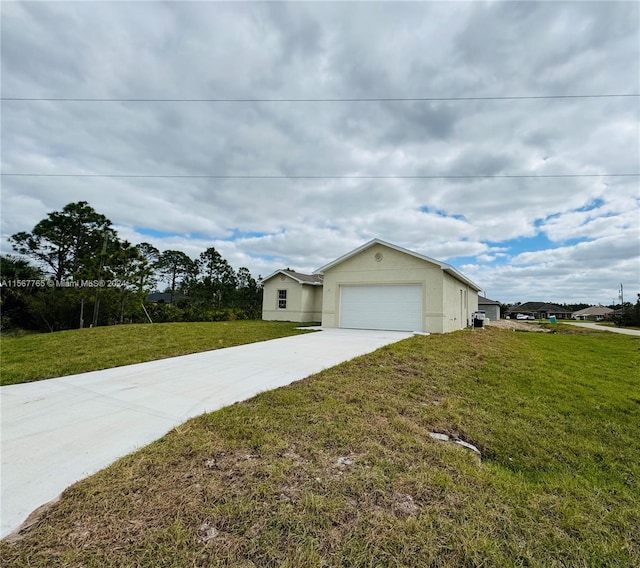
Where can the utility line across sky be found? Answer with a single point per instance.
(327, 100)
(295, 177)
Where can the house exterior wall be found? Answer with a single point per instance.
(300, 298)
(491, 310)
(311, 306)
(439, 290)
(460, 301)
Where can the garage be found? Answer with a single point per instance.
(387, 307)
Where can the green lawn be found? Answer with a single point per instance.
(46, 355)
(262, 483)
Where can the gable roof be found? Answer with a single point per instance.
(445, 267)
(487, 302)
(311, 279)
(594, 311)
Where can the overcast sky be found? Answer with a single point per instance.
(551, 239)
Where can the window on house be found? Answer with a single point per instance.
(282, 299)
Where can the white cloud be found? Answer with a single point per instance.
(585, 272)
(328, 50)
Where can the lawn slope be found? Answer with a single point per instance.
(340, 469)
(46, 355)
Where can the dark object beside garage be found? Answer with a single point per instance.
(478, 319)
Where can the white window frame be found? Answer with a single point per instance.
(282, 298)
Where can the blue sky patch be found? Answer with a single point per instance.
(238, 234)
(532, 244)
(155, 234)
(440, 212)
(168, 234)
(593, 204)
(458, 261)
(267, 257)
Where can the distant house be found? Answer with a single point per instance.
(376, 286)
(539, 310)
(163, 297)
(491, 308)
(593, 313)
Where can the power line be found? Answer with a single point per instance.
(336, 100)
(296, 177)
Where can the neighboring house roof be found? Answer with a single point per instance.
(594, 311)
(482, 301)
(445, 267)
(538, 307)
(311, 279)
(165, 297)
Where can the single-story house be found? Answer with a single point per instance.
(593, 313)
(376, 286)
(491, 308)
(292, 296)
(539, 310)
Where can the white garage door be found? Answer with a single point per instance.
(381, 307)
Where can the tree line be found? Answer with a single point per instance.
(74, 271)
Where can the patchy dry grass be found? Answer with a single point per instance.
(340, 470)
(46, 355)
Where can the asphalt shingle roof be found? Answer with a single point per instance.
(309, 278)
(594, 311)
(539, 306)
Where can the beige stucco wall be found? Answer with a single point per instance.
(312, 303)
(460, 301)
(304, 301)
(442, 311)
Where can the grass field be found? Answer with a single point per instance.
(46, 355)
(340, 469)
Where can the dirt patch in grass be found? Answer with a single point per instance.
(542, 327)
(340, 469)
(515, 325)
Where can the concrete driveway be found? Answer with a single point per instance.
(590, 325)
(58, 431)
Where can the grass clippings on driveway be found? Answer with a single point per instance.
(340, 470)
(46, 355)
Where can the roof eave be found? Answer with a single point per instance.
(284, 273)
(371, 243)
(298, 280)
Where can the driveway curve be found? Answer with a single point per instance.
(589, 325)
(58, 431)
